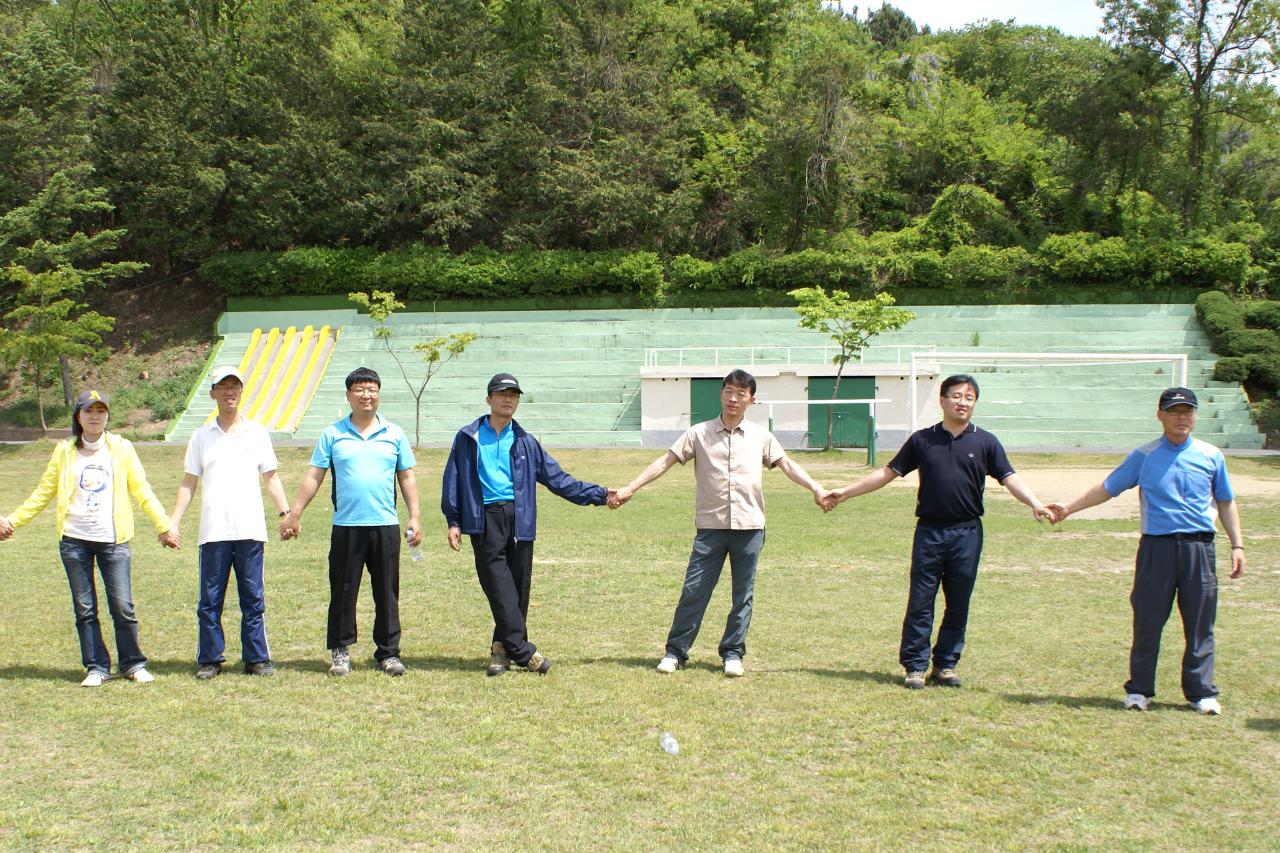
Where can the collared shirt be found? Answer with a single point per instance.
(727, 465)
(493, 458)
(953, 472)
(364, 470)
(1177, 484)
(230, 466)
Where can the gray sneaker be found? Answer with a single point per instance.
(914, 680)
(262, 668)
(341, 662)
(499, 661)
(391, 666)
(208, 670)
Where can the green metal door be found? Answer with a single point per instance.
(704, 400)
(849, 424)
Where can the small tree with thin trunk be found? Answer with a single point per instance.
(436, 352)
(851, 324)
(50, 255)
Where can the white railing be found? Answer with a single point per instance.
(753, 355)
(1177, 361)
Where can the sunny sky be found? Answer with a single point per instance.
(1073, 17)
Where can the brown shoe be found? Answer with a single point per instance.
(945, 677)
(498, 660)
(538, 663)
(914, 680)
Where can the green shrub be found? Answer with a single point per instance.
(1247, 341)
(1202, 262)
(1263, 315)
(1231, 369)
(1269, 414)
(1218, 314)
(985, 266)
(1264, 370)
(690, 274)
(1082, 257)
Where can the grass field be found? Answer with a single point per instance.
(817, 747)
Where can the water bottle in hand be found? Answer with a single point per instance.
(669, 743)
(415, 551)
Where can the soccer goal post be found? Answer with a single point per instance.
(931, 362)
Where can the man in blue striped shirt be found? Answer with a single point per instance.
(1179, 479)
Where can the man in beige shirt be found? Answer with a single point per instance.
(728, 453)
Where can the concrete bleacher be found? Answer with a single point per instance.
(580, 369)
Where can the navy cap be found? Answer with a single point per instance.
(87, 398)
(1178, 397)
(504, 382)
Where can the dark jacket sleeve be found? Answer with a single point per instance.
(449, 497)
(551, 475)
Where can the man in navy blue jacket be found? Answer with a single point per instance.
(490, 494)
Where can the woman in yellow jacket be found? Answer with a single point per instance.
(92, 475)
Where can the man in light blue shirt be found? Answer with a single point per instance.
(1179, 479)
(369, 456)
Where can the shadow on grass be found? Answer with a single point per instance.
(1104, 702)
(41, 673)
(882, 677)
(1263, 724)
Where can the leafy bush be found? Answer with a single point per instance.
(1247, 341)
(1231, 369)
(1264, 370)
(1218, 314)
(1082, 257)
(1269, 414)
(1263, 315)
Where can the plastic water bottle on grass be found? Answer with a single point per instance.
(669, 743)
(415, 551)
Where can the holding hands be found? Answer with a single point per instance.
(171, 539)
(290, 527)
(6, 529)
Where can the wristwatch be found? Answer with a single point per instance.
(284, 512)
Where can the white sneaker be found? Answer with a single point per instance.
(669, 664)
(1207, 705)
(94, 679)
(1136, 702)
(733, 668)
(141, 676)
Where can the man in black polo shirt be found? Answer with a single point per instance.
(954, 458)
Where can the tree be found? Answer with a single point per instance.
(436, 352)
(890, 27)
(1211, 44)
(850, 324)
(51, 260)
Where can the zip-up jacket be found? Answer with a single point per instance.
(127, 476)
(462, 499)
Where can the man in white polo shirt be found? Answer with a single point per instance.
(230, 453)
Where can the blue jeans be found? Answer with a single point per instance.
(710, 547)
(217, 559)
(946, 557)
(113, 561)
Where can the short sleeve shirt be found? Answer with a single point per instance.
(364, 470)
(1177, 485)
(727, 466)
(230, 467)
(953, 472)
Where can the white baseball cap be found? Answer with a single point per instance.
(221, 373)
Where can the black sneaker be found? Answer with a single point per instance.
(263, 668)
(208, 670)
(945, 677)
(538, 663)
(391, 666)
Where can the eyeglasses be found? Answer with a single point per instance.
(962, 398)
